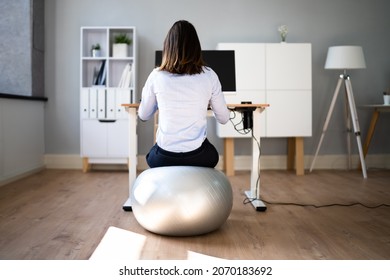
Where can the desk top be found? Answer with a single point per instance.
(378, 107)
(136, 105)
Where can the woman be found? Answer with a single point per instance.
(182, 89)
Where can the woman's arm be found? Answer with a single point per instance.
(217, 102)
(148, 105)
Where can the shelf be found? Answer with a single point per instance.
(114, 66)
(121, 58)
(106, 82)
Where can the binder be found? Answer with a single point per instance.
(101, 103)
(84, 103)
(111, 104)
(93, 103)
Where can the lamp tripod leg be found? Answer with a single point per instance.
(348, 124)
(355, 122)
(332, 104)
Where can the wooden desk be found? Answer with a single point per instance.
(374, 119)
(253, 194)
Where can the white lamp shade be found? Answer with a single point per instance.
(345, 57)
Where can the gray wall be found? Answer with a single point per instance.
(321, 23)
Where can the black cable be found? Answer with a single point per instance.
(250, 200)
(242, 131)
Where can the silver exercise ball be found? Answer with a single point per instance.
(181, 200)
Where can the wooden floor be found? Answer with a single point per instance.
(63, 214)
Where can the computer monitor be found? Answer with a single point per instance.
(221, 61)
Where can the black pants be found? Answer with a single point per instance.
(206, 156)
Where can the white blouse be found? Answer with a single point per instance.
(182, 102)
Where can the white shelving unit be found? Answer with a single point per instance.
(106, 81)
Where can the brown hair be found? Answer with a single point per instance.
(182, 53)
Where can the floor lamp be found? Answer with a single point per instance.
(344, 58)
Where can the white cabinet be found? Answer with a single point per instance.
(104, 141)
(277, 74)
(107, 80)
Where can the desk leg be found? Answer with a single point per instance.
(254, 194)
(290, 153)
(228, 156)
(370, 132)
(295, 155)
(133, 146)
(299, 156)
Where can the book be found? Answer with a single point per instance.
(123, 76)
(101, 76)
(126, 77)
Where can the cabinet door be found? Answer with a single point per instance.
(289, 114)
(250, 64)
(93, 138)
(118, 139)
(288, 66)
(104, 139)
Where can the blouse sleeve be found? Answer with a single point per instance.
(148, 105)
(218, 103)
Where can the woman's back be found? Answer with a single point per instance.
(183, 101)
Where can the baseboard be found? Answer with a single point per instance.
(58, 161)
(268, 162)
(279, 162)
(379, 161)
(62, 161)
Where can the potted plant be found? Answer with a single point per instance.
(283, 30)
(95, 50)
(121, 45)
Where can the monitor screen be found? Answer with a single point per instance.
(221, 61)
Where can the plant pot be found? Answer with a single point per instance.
(96, 53)
(386, 99)
(120, 50)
